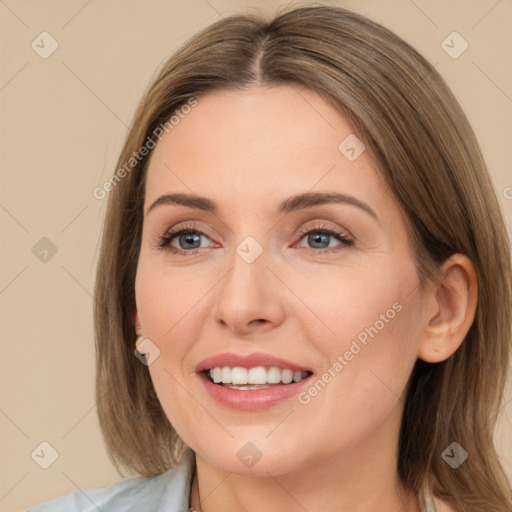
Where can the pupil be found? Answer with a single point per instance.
(190, 239)
(319, 238)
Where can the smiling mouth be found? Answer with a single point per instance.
(258, 377)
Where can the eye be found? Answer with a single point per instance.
(187, 240)
(324, 237)
(184, 240)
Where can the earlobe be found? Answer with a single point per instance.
(450, 311)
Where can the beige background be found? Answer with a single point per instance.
(63, 120)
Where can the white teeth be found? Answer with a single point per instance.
(274, 375)
(249, 387)
(217, 375)
(287, 376)
(226, 375)
(257, 375)
(238, 375)
(254, 378)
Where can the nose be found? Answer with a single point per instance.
(249, 298)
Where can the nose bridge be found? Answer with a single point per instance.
(247, 295)
(248, 270)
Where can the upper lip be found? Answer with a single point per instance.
(232, 360)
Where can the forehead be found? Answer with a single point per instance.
(260, 144)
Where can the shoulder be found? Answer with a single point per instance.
(169, 491)
(121, 496)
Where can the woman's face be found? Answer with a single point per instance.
(295, 258)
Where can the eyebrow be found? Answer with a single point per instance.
(294, 203)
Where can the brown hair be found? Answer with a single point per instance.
(428, 155)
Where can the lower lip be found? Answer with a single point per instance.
(251, 400)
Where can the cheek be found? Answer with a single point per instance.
(166, 300)
(171, 308)
(374, 338)
(367, 369)
(363, 304)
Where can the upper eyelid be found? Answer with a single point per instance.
(323, 226)
(302, 231)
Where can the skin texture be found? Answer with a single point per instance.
(247, 151)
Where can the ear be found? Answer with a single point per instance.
(450, 309)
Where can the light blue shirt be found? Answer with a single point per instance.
(168, 492)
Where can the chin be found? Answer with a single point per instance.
(254, 455)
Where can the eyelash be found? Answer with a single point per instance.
(188, 229)
(165, 240)
(326, 230)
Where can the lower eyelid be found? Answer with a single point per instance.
(342, 246)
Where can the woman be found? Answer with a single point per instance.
(304, 248)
